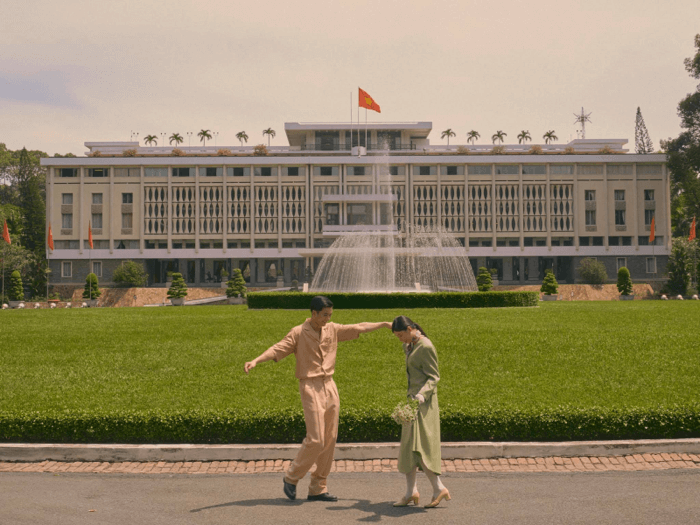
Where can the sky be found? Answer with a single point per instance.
(85, 71)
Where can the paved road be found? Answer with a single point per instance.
(652, 497)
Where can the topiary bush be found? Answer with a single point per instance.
(130, 273)
(92, 289)
(483, 280)
(16, 290)
(178, 288)
(550, 285)
(236, 285)
(624, 281)
(592, 271)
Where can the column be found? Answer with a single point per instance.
(169, 207)
(438, 201)
(606, 232)
(112, 219)
(224, 215)
(279, 209)
(196, 214)
(142, 198)
(79, 209)
(494, 212)
(252, 214)
(548, 201)
(521, 205)
(634, 225)
(575, 210)
(467, 224)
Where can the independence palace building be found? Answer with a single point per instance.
(213, 208)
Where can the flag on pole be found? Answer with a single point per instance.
(652, 234)
(6, 233)
(691, 237)
(90, 235)
(50, 240)
(368, 102)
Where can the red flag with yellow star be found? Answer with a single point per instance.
(6, 233)
(652, 233)
(50, 239)
(368, 102)
(691, 237)
(90, 235)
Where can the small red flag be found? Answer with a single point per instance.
(368, 102)
(652, 235)
(50, 240)
(90, 235)
(691, 237)
(6, 233)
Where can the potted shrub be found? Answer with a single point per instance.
(178, 290)
(15, 293)
(236, 288)
(280, 279)
(483, 280)
(624, 284)
(92, 290)
(224, 277)
(549, 287)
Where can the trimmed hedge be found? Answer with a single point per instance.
(371, 425)
(373, 301)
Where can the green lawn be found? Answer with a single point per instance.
(609, 357)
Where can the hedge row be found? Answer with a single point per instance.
(301, 301)
(374, 425)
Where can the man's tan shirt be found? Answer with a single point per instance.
(315, 355)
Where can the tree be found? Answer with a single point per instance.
(624, 281)
(592, 271)
(204, 135)
(131, 274)
(683, 155)
(177, 139)
(549, 136)
(16, 290)
(32, 206)
(150, 140)
(498, 136)
(483, 280)
(549, 283)
(242, 135)
(92, 288)
(448, 133)
(270, 133)
(236, 285)
(178, 288)
(642, 142)
(680, 264)
(524, 136)
(473, 136)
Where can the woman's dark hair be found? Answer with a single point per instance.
(402, 322)
(320, 302)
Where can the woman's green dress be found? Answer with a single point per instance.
(421, 438)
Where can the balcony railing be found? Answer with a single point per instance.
(347, 147)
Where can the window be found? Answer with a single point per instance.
(590, 217)
(648, 195)
(67, 221)
(127, 172)
(359, 214)
(528, 241)
(619, 195)
(424, 170)
(97, 268)
(621, 263)
(479, 170)
(486, 243)
(98, 172)
(177, 172)
(264, 171)
(96, 245)
(67, 172)
(648, 217)
(452, 170)
(67, 198)
(97, 198)
(385, 213)
(393, 170)
(535, 169)
(204, 245)
(293, 171)
(561, 169)
(541, 242)
(127, 221)
(358, 170)
(332, 217)
(210, 172)
(97, 221)
(584, 241)
(597, 241)
(238, 172)
(326, 171)
(127, 198)
(619, 217)
(66, 269)
(590, 195)
(506, 170)
(651, 264)
(619, 169)
(231, 244)
(126, 244)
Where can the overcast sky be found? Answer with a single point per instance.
(76, 71)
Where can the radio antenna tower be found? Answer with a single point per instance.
(583, 118)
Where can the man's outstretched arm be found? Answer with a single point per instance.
(276, 352)
(265, 356)
(371, 327)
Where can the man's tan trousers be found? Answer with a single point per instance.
(319, 397)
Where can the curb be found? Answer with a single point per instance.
(28, 452)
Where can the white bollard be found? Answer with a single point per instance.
(664, 298)
(68, 305)
(84, 305)
(679, 297)
(37, 305)
(5, 306)
(695, 297)
(21, 305)
(53, 305)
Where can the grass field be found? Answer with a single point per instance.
(612, 356)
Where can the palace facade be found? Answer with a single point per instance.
(519, 209)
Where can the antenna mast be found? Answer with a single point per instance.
(583, 118)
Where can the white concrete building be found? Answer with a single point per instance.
(520, 209)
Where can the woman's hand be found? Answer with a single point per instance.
(420, 398)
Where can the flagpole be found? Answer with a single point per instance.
(366, 143)
(358, 121)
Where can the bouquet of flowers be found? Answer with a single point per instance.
(405, 412)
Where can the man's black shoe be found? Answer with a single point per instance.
(290, 490)
(322, 497)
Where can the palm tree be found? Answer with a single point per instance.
(204, 135)
(448, 133)
(270, 133)
(472, 136)
(524, 136)
(241, 135)
(150, 139)
(177, 139)
(498, 136)
(549, 137)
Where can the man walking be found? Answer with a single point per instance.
(315, 343)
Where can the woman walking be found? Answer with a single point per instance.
(420, 439)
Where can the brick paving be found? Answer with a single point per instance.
(544, 464)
